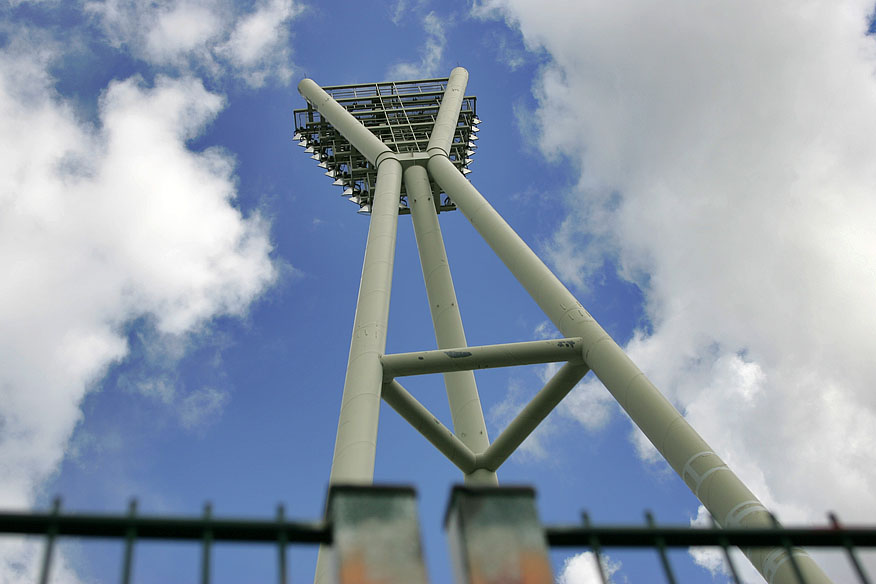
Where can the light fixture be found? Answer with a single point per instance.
(303, 143)
(469, 152)
(473, 136)
(468, 161)
(309, 149)
(348, 191)
(475, 121)
(364, 209)
(475, 129)
(322, 165)
(466, 170)
(297, 136)
(315, 157)
(331, 173)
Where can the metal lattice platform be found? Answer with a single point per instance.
(401, 114)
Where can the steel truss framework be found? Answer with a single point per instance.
(377, 131)
(401, 114)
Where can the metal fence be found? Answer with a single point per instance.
(281, 533)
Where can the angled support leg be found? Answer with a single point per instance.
(429, 426)
(729, 501)
(532, 415)
(462, 392)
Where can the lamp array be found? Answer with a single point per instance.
(402, 115)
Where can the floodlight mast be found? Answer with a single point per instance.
(371, 375)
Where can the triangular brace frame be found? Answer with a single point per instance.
(372, 375)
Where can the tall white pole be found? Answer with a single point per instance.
(462, 391)
(356, 442)
(729, 501)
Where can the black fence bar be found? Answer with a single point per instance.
(167, 528)
(677, 536)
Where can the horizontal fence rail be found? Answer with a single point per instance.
(281, 532)
(678, 536)
(131, 527)
(660, 538)
(164, 528)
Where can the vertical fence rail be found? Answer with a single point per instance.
(130, 538)
(51, 534)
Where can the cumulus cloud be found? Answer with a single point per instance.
(726, 154)
(258, 45)
(431, 53)
(212, 36)
(102, 225)
(583, 569)
(202, 406)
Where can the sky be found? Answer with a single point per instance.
(180, 278)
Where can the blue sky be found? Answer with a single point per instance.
(181, 278)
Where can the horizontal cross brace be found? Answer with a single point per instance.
(483, 357)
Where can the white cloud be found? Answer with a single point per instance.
(203, 406)
(431, 54)
(100, 226)
(209, 35)
(258, 46)
(726, 165)
(398, 11)
(582, 569)
(589, 404)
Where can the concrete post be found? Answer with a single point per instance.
(495, 536)
(376, 535)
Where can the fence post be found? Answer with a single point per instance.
(496, 536)
(375, 535)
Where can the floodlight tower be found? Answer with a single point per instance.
(404, 148)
